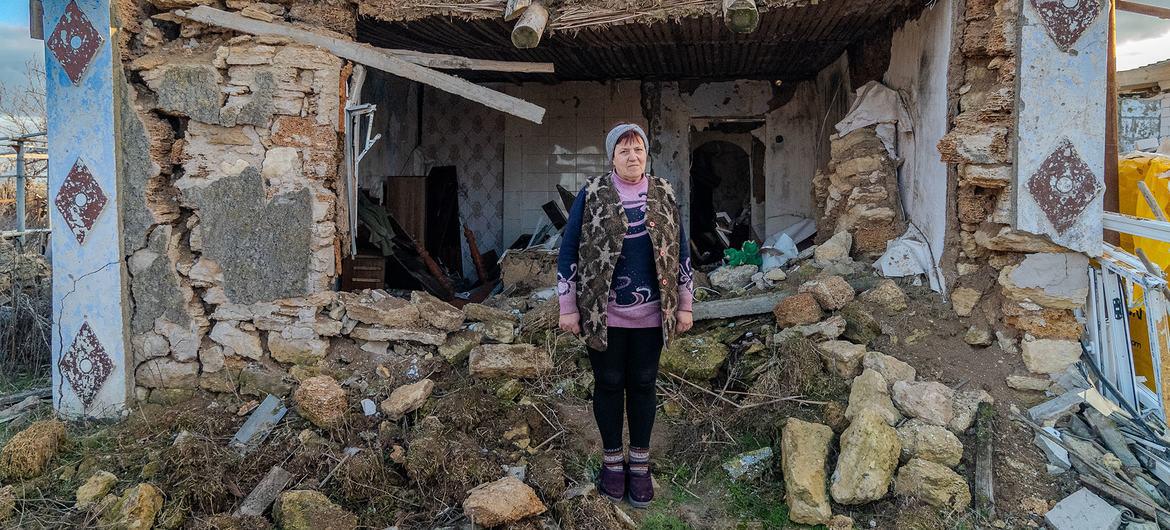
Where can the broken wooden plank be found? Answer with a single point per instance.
(1138, 504)
(18, 409)
(10, 399)
(738, 307)
(1108, 433)
(265, 493)
(985, 460)
(1053, 410)
(1143, 9)
(262, 420)
(372, 57)
(741, 16)
(443, 61)
(529, 29)
(515, 8)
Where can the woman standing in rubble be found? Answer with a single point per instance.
(625, 284)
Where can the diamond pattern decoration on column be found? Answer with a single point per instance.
(74, 42)
(1063, 186)
(86, 365)
(1066, 20)
(80, 200)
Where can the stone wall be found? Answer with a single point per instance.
(1020, 284)
(231, 174)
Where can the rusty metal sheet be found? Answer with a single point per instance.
(1067, 20)
(86, 365)
(1064, 186)
(80, 200)
(74, 42)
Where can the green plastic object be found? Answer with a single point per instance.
(748, 255)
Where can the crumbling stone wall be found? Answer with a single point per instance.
(1020, 284)
(231, 178)
(858, 193)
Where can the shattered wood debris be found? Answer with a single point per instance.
(1118, 458)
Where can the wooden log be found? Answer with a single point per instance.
(443, 61)
(265, 493)
(1143, 9)
(515, 8)
(448, 293)
(530, 27)
(20, 396)
(985, 460)
(741, 16)
(476, 257)
(372, 57)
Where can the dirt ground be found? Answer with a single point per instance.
(468, 430)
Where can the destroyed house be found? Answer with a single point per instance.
(229, 177)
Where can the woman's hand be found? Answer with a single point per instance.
(571, 323)
(686, 321)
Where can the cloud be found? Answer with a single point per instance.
(1134, 27)
(1138, 53)
(16, 49)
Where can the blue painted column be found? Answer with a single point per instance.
(90, 301)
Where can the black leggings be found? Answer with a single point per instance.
(625, 374)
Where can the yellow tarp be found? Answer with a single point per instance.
(1150, 169)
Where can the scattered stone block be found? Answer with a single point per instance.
(886, 294)
(501, 331)
(831, 292)
(931, 402)
(797, 310)
(437, 313)
(891, 368)
(868, 458)
(979, 336)
(963, 300)
(136, 509)
(1027, 382)
(966, 405)
(501, 502)
(458, 345)
(321, 401)
(695, 357)
(28, 452)
(429, 337)
(929, 442)
(1083, 510)
(1050, 356)
(732, 278)
(482, 313)
(837, 248)
(842, 357)
(870, 391)
(406, 399)
(311, 510)
(804, 450)
(95, 488)
(934, 484)
(750, 465)
(509, 360)
(379, 308)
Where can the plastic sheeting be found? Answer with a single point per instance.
(878, 104)
(909, 255)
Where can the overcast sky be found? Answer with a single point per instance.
(1141, 40)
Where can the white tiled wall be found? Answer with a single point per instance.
(566, 149)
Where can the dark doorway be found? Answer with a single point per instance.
(721, 198)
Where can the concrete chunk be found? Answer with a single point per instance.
(1083, 510)
(1049, 412)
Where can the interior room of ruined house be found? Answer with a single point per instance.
(740, 123)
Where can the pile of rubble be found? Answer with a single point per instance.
(1108, 449)
(461, 414)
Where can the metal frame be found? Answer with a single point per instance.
(356, 148)
(1111, 297)
(18, 144)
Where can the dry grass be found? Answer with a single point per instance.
(27, 453)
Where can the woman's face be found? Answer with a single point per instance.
(629, 159)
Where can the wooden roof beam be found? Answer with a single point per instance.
(515, 8)
(741, 16)
(372, 57)
(528, 30)
(1143, 9)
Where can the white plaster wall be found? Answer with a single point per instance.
(918, 71)
(567, 149)
(805, 123)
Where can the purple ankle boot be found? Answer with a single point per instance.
(641, 489)
(611, 484)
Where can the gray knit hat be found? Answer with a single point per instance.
(615, 133)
